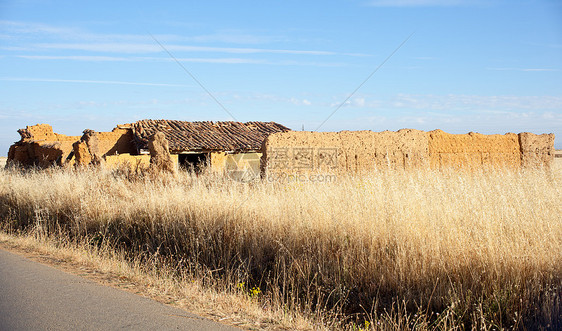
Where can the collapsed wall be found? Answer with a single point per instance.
(40, 146)
(296, 152)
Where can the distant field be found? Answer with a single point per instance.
(3, 161)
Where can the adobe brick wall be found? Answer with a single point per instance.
(362, 151)
(132, 161)
(345, 151)
(40, 146)
(118, 141)
(537, 150)
(473, 150)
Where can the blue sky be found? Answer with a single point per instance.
(470, 65)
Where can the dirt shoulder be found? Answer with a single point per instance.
(197, 300)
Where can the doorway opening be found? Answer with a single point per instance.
(193, 161)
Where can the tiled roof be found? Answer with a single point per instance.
(196, 136)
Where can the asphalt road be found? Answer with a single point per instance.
(34, 296)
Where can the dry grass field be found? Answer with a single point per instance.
(558, 161)
(3, 160)
(392, 250)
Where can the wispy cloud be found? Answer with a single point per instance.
(25, 31)
(15, 29)
(97, 58)
(523, 69)
(422, 3)
(236, 37)
(272, 98)
(426, 58)
(153, 48)
(90, 58)
(83, 81)
(22, 34)
(456, 102)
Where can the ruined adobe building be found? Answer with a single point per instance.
(271, 148)
(192, 144)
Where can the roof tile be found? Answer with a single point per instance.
(195, 136)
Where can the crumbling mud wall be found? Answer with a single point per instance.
(118, 141)
(86, 150)
(537, 150)
(473, 150)
(94, 147)
(363, 151)
(345, 151)
(367, 150)
(40, 146)
(160, 157)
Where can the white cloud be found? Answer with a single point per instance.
(83, 81)
(268, 98)
(422, 3)
(356, 102)
(154, 48)
(99, 58)
(31, 31)
(523, 69)
(25, 33)
(235, 37)
(455, 102)
(359, 102)
(296, 101)
(91, 58)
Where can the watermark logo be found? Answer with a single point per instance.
(243, 167)
(285, 165)
(302, 165)
(290, 178)
(303, 158)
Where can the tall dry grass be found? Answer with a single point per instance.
(422, 249)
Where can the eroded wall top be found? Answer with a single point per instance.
(40, 146)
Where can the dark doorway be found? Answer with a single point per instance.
(193, 161)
